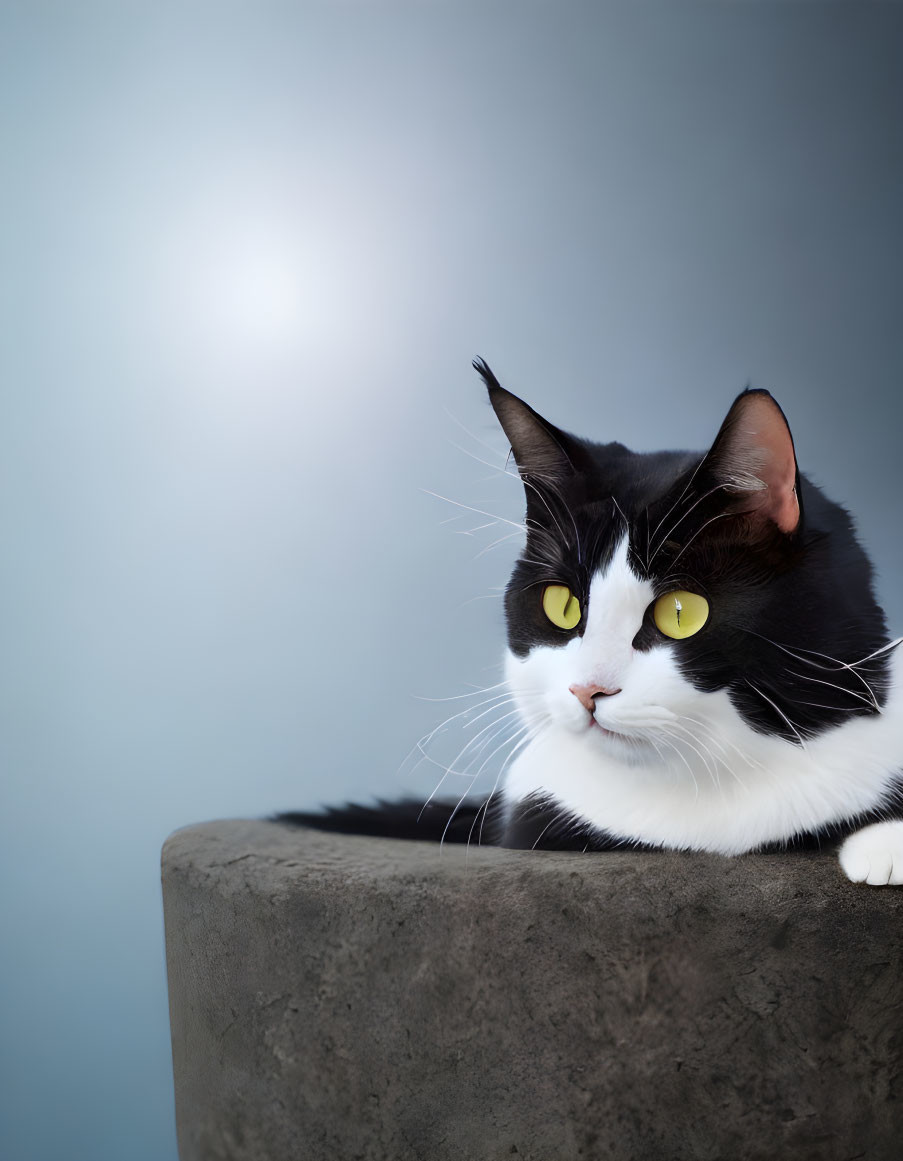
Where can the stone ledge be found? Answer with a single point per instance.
(344, 997)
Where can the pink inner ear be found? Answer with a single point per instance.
(761, 442)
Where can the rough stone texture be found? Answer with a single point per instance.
(336, 998)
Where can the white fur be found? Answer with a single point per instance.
(682, 769)
(874, 855)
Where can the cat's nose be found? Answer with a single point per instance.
(587, 694)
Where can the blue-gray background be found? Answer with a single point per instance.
(247, 253)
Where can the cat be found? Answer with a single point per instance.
(696, 654)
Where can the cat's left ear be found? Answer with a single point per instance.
(541, 450)
(753, 458)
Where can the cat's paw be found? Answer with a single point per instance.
(874, 855)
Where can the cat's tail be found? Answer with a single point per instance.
(468, 821)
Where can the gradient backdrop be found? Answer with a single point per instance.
(247, 253)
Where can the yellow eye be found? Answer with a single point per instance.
(561, 606)
(680, 614)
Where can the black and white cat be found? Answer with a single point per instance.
(695, 652)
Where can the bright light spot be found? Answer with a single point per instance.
(252, 290)
(256, 289)
(248, 282)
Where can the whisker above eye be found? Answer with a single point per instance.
(496, 543)
(479, 511)
(680, 520)
(686, 488)
(698, 532)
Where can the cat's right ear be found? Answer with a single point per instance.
(754, 461)
(540, 450)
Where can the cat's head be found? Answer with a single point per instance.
(652, 585)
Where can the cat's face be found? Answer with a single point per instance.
(659, 595)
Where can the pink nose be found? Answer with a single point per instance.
(587, 694)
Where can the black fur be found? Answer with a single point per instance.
(534, 824)
(538, 823)
(408, 818)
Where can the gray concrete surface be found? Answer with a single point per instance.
(339, 997)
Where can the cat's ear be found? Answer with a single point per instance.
(753, 458)
(539, 449)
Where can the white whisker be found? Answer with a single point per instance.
(715, 735)
(815, 665)
(479, 511)
(680, 520)
(831, 685)
(458, 696)
(687, 487)
(670, 743)
(778, 710)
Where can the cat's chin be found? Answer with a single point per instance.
(594, 726)
(613, 744)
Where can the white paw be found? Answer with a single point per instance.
(874, 855)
